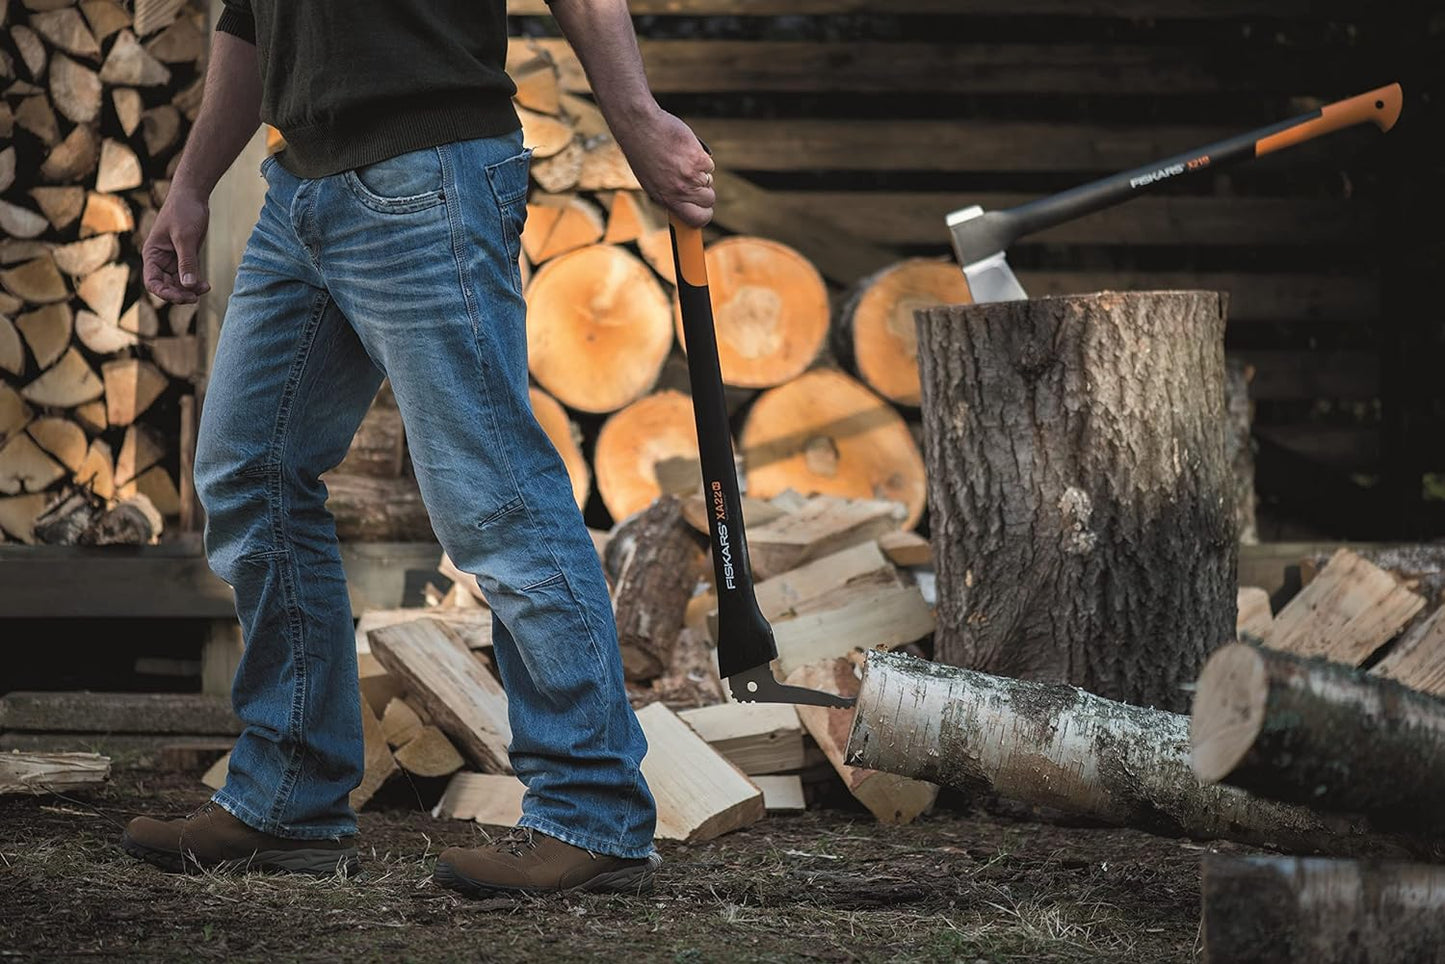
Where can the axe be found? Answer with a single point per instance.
(981, 238)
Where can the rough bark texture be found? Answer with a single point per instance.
(1239, 447)
(1322, 734)
(1051, 745)
(1288, 910)
(1081, 501)
(659, 559)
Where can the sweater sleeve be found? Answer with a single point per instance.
(236, 19)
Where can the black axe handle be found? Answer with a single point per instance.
(994, 231)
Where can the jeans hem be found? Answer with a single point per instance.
(592, 844)
(275, 828)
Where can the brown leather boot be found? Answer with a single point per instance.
(212, 839)
(524, 861)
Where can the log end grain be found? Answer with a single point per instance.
(1228, 711)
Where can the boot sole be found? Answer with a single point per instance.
(634, 880)
(313, 862)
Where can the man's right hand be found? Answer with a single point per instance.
(171, 253)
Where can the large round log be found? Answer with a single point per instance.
(598, 328)
(825, 433)
(770, 307)
(876, 335)
(1322, 734)
(1081, 503)
(567, 439)
(1291, 910)
(645, 450)
(1056, 746)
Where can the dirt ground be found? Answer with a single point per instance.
(827, 885)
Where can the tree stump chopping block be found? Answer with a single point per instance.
(1080, 494)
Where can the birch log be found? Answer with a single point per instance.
(1322, 734)
(1053, 745)
(1288, 910)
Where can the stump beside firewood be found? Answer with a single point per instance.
(1080, 496)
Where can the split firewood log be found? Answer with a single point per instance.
(91, 415)
(178, 356)
(74, 158)
(875, 334)
(65, 29)
(12, 351)
(97, 472)
(160, 129)
(537, 87)
(66, 384)
(62, 440)
(106, 17)
(560, 172)
(647, 449)
(630, 216)
(7, 168)
(141, 448)
(106, 214)
(104, 290)
(180, 43)
(824, 432)
(131, 65)
(19, 222)
(18, 514)
(119, 168)
(577, 224)
(659, 561)
(47, 332)
(104, 337)
(770, 306)
(37, 116)
(24, 467)
(544, 134)
(598, 328)
(75, 89)
(60, 205)
(152, 15)
(131, 386)
(14, 413)
(604, 168)
(36, 281)
(81, 258)
(140, 319)
(31, 49)
(128, 108)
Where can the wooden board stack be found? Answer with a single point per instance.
(97, 378)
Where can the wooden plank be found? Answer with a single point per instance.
(914, 218)
(452, 685)
(756, 737)
(699, 794)
(745, 208)
(822, 527)
(1252, 297)
(378, 687)
(713, 66)
(1348, 611)
(886, 617)
(782, 791)
(1124, 9)
(491, 799)
(1419, 660)
(429, 754)
(906, 548)
(1254, 615)
(44, 772)
(83, 712)
(472, 626)
(890, 798)
(792, 591)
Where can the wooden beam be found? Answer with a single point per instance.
(80, 712)
(1124, 9)
(713, 66)
(44, 772)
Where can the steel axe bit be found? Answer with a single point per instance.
(745, 644)
(981, 238)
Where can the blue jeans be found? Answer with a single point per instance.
(405, 269)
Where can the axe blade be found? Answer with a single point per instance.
(989, 277)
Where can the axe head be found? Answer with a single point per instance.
(980, 240)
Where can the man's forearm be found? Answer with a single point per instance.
(230, 114)
(601, 33)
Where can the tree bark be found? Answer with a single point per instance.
(1081, 501)
(1322, 734)
(1056, 746)
(659, 561)
(1282, 910)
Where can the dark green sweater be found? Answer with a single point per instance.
(353, 82)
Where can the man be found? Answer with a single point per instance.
(387, 247)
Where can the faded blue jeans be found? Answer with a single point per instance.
(405, 269)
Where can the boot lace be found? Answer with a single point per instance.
(514, 841)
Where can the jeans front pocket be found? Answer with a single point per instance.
(400, 184)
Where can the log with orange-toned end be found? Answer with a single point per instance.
(770, 308)
(825, 433)
(647, 449)
(598, 328)
(566, 439)
(875, 334)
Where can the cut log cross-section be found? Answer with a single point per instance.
(1057, 746)
(661, 560)
(566, 439)
(1317, 733)
(1080, 497)
(647, 449)
(75, 89)
(824, 432)
(770, 307)
(598, 328)
(452, 685)
(578, 223)
(47, 332)
(876, 334)
(1312, 910)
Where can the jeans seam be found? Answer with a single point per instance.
(286, 562)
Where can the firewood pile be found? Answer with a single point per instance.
(834, 576)
(823, 385)
(96, 375)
